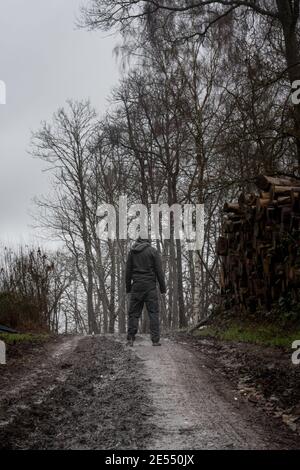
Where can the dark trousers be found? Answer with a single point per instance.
(137, 300)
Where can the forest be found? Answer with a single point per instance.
(203, 107)
(203, 113)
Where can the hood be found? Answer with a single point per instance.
(140, 246)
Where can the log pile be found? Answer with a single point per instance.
(260, 245)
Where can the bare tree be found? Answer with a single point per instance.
(203, 16)
(65, 146)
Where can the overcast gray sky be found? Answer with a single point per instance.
(44, 60)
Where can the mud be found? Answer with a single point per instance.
(264, 377)
(81, 393)
(196, 408)
(98, 393)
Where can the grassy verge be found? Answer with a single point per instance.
(267, 335)
(12, 338)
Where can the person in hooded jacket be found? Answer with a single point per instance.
(143, 270)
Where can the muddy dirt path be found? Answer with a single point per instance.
(79, 393)
(98, 393)
(196, 409)
(34, 376)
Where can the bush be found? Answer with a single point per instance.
(30, 287)
(19, 312)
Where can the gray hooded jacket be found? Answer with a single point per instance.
(144, 268)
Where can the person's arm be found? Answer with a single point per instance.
(128, 273)
(159, 272)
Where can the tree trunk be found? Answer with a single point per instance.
(112, 316)
(121, 292)
(181, 308)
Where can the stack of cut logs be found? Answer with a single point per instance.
(260, 245)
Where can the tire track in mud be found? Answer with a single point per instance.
(96, 393)
(89, 394)
(30, 383)
(190, 411)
